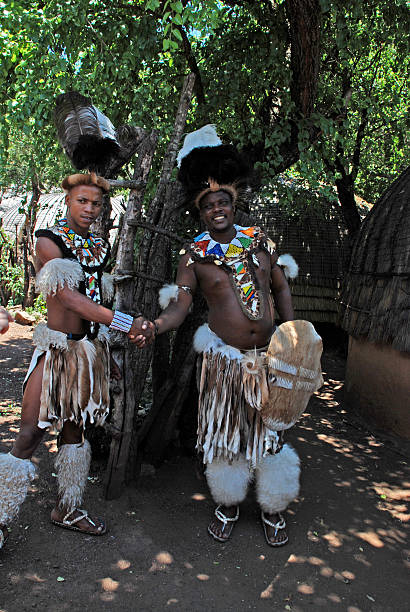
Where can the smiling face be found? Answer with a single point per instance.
(84, 203)
(217, 211)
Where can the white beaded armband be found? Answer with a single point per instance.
(121, 321)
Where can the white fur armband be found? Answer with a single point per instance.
(289, 265)
(108, 288)
(57, 273)
(167, 294)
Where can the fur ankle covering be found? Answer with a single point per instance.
(228, 482)
(15, 477)
(72, 465)
(277, 480)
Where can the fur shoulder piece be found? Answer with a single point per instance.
(59, 272)
(167, 294)
(289, 265)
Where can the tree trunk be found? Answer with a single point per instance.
(304, 29)
(345, 191)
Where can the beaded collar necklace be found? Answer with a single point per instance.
(90, 252)
(238, 258)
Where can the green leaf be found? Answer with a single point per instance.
(177, 34)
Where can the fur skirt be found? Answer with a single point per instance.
(75, 383)
(232, 385)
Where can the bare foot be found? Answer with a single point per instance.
(78, 520)
(220, 528)
(274, 527)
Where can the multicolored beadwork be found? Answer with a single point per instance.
(89, 251)
(239, 256)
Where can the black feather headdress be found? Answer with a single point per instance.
(87, 136)
(208, 165)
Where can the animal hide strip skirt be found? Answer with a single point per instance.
(232, 386)
(75, 383)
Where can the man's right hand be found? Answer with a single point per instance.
(5, 319)
(142, 332)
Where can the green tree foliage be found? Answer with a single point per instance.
(130, 56)
(11, 274)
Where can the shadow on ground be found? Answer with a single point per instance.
(348, 549)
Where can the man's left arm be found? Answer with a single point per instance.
(281, 292)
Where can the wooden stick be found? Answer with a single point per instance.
(158, 230)
(124, 401)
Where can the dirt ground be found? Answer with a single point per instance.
(347, 551)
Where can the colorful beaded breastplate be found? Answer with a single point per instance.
(237, 257)
(90, 252)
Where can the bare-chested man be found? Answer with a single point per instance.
(237, 271)
(67, 383)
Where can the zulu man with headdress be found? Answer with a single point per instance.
(67, 384)
(237, 270)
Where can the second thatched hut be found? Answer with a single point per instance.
(376, 313)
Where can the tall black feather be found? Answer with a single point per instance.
(222, 163)
(87, 136)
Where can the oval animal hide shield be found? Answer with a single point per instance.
(294, 373)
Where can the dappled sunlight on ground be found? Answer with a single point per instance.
(348, 532)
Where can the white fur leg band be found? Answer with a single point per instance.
(167, 294)
(15, 477)
(228, 481)
(277, 480)
(121, 321)
(73, 465)
(57, 273)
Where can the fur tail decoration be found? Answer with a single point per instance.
(289, 265)
(72, 465)
(277, 480)
(15, 477)
(167, 294)
(59, 272)
(228, 481)
(108, 287)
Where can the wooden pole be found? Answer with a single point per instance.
(122, 350)
(152, 262)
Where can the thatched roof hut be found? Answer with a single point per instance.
(51, 207)
(375, 305)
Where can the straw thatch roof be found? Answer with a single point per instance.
(376, 292)
(316, 236)
(51, 208)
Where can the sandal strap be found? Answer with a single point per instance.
(83, 515)
(281, 524)
(226, 519)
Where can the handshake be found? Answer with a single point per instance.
(142, 332)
